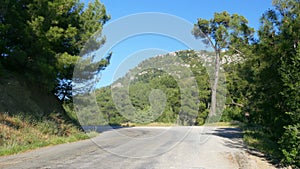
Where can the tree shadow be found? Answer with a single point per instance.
(103, 128)
(233, 138)
(229, 132)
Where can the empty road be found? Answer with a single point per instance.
(143, 148)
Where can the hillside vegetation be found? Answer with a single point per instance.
(31, 118)
(179, 76)
(40, 44)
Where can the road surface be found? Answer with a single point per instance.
(143, 148)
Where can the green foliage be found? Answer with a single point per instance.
(202, 115)
(70, 112)
(40, 44)
(42, 39)
(223, 32)
(273, 98)
(145, 88)
(38, 132)
(107, 107)
(233, 113)
(263, 76)
(226, 31)
(256, 137)
(238, 89)
(290, 144)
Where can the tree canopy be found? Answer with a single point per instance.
(42, 39)
(263, 80)
(223, 32)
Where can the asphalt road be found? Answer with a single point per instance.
(145, 147)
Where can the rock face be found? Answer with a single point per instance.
(17, 96)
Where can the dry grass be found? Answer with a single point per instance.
(225, 124)
(20, 134)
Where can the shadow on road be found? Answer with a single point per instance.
(101, 129)
(231, 133)
(234, 137)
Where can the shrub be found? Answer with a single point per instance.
(231, 114)
(290, 145)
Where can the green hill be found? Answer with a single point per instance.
(172, 88)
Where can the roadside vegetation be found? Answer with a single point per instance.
(264, 85)
(41, 43)
(20, 133)
(262, 80)
(39, 47)
(257, 139)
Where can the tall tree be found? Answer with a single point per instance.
(275, 102)
(42, 39)
(223, 32)
(277, 51)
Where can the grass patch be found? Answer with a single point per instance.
(255, 137)
(92, 134)
(19, 133)
(225, 124)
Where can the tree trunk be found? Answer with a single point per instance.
(213, 107)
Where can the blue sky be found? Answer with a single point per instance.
(189, 10)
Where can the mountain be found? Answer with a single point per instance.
(171, 88)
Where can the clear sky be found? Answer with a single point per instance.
(189, 10)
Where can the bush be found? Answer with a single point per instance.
(290, 145)
(232, 114)
(69, 109)
(200, 120)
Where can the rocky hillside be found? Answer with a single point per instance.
(162, 89)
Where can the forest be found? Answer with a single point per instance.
(41, 42)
